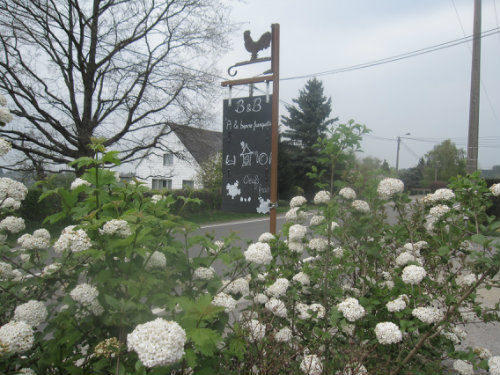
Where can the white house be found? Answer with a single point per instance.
(188, 148)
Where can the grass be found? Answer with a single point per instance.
(214, 216)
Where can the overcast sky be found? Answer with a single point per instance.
(426, 95)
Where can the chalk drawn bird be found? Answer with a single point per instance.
(254, 47)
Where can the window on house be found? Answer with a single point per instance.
(160, 183)
(168, 159)
(187, 184)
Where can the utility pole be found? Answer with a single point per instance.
(472, 143)
(397, 152)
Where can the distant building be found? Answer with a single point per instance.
(175, 169)
(491, 173)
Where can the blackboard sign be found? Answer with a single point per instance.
(246, 154)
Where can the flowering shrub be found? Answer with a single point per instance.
(129, 289)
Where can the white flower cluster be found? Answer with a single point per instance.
(322, 197)
(438, 211)
(413, 274)
(283, 335)
(51, 269)
(318, 244)
(296, 247)
(311, 365)
(404, 258)
(495, 190)
(347, 193)
(157, 260)
(237, 286)
(316, 220)
(398, 304)
(354, 369)
(463, 367)
(295, 214)
(259, 253)
(79, 182)
(39, 240)
(494, 365)
(388, 333)
(16, 337)
(71, 239)
(256, 330)
(86, 295)
(278, 288)
(26, 371)
(3, 101)
(351, 309)
(427, 315)
(12, 189)
(32, 312)
(482, 352)
(296, 232)
(416, 247)
(297, 201)
(5, 115)
(277, 307)
(156, 198)
(157, 343)
(5, 146)
(390, 186)
(6, 271)
(302, 278)
(12, 224)
(456, 335)
(266, 237)
(260, 298)
(360, 206)
(224, 300)
(338, 252)
(438, 196)
(468, 280)
(217, 247)
(116, 227)
(203, 273)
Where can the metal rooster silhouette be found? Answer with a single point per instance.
(254, 47)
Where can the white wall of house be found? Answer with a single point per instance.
(153, 171)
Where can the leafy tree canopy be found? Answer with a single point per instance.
(444, 161)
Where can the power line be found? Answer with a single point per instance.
(394, 58)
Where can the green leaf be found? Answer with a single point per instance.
(443, 250)
(204, 339)
(480, 239)
(237, 348)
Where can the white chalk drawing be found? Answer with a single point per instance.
(233, 190)
(264, 206)
(262, 159)
(246, 155)
(230, 161)
(245, 200)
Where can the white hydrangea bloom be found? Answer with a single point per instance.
(156, 198)
(322, 197)
(16, 337)
(297, 201)
(10, 204)
(266, 237)
(494, 365)
(259, 253)
(158, 343)
(404, 258)
(237, 286)
(116, 227)
(261, 298)
(32, 312)
(277, 307)
(427, 315)
(6, 271)
(296, 247)
(71, 239)
(413, 274)
(388, 333)
(5, 146)
(338, 252)
(204, 273)
(351, 309)
(256, 330)
(12, 189)
(482, 353)
(12, 224)
(354, 369)
(26, 371)
(311, 365)
(85, 294)
(438, 211)
(3, 101)
(157, 260)
(463, 367)
(318, 244)
(295, 214)
(495, 189)
(217, 247)
(443, 195)
(79, 182)
(390, 186)
(333, 225)
(398, 304)
(360, 206)
(316, 220)
(224, 300)
(278, 288)
(5, 115)
(347, 193)
(302, 278)
(302, 309)
(296, 232)
(468, 279)
(283, 335)
(39, 240)
(318, 310)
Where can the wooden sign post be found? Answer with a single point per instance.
(273, 77)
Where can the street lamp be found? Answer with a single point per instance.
(397, 152)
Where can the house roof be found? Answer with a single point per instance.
(200, 143)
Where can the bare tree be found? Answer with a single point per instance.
(123, 70)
